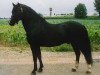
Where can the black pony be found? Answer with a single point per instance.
(40, 33)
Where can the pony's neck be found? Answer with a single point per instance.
(29, 15)
(30, 18)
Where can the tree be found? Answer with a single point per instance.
(97, 5)
(80, 11)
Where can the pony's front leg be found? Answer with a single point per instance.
(34, 53)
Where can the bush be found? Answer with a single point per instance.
(80, 11)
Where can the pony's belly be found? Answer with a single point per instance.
(51, 43)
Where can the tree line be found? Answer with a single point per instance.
(81, 11)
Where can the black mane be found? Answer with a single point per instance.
(31, 12)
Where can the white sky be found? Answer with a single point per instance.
(42, 6)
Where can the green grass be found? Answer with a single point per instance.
(12, 35)
(15, 36)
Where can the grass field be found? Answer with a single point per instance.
(15, 36)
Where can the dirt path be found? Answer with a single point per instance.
(15, 62)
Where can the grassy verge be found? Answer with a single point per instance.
(15, 36)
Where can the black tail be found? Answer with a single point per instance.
(87, 50)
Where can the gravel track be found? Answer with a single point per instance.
(15, 62)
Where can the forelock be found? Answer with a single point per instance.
(17, 7)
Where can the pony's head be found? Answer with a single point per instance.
(16, 14)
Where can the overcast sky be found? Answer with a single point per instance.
(42, 6)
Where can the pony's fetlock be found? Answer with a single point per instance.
(33, 73)
(89, 68)
(40, 70)
(76, 66)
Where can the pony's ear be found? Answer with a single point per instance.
(13, 4)
(18, 4)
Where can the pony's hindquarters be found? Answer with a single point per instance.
(78, 37)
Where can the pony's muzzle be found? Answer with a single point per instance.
(11, 23)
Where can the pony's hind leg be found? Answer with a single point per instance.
(86, 50)
(40, 60)
(89, 66)
(88, 57)
(77, 53)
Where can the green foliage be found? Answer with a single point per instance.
(63, 48)
(80, 11)
(59, 17)
(97, 5)
(15, 35)
(12, 36)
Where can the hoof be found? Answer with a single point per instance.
(40, 70)
(73, 70)
(88, 72)
(33, 73)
